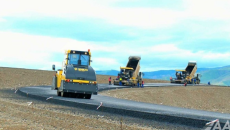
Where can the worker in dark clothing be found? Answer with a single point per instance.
(209, 83)
(109, 80)
(138, 83)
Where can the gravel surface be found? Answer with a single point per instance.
(15, 114)
(209, 98)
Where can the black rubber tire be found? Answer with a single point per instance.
(58, 93)
(87, 96)
(63, 94)
(72, 95)
(80, 95)
(77, 95)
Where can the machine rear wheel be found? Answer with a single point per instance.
(63, 94)
(87, 96)
(73, 95)
(80, 95)
(58, 93)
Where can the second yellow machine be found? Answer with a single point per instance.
(76, 78)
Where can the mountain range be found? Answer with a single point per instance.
(217, 76)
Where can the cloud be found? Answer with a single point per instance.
(173, 50)
(150, 17)
(36, 33)
(76, 10)
(34, 51)
(2, 20)
(207, 9)
(84, 29)
(106, 63)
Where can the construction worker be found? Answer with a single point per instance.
(185, 84)
(109, 80)
(120, 81)
(209, 83)
(195, 81)
(138, 83)
(142, 83)
(171, 79)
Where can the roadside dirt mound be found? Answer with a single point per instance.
(15, 114)
(207, 98)
(104, 79)
(17, 77)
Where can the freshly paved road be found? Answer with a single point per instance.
(139, 107)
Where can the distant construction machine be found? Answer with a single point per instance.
(76, 78)
(187, 75)
(130, 74)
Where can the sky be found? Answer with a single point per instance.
(166, 34)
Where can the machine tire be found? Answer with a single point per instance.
(77, 95)
(58, 93)
(87, 96)
(63, 94)
(80, 95)
(72, 95)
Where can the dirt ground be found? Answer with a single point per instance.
(207, 98)
(15, 114)
(15, 77)
(104, 79)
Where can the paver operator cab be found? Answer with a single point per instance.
(76, 78)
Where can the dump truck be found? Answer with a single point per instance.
(187, 75)
(130, 74)
(76, 78)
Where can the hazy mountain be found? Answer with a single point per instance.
(108, 72)
(217, 76)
